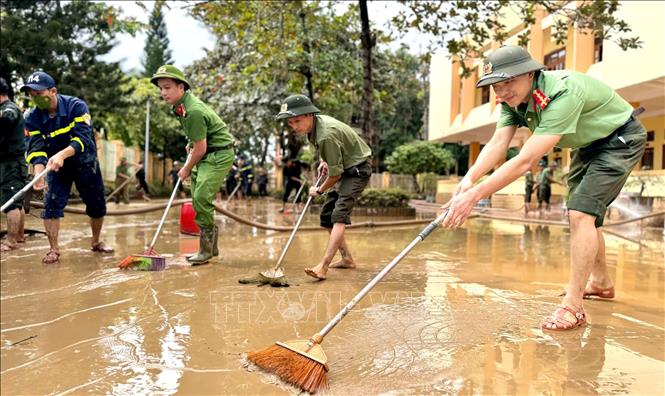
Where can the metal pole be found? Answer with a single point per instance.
(147, 139)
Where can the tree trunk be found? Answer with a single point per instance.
(306, 69)
(367, 42)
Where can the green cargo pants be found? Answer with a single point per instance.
(207, 178)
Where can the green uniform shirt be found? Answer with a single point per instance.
(542, 179)
(528, 181)
(339, 145)
(200, 122)
(121, 169)
(579, 108)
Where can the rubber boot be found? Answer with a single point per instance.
(205, 248)
(215, 239)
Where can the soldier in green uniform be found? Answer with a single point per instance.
(528, 190)
(569, 110)
(211, 153)
(544, 182)
(344, 161)
(121, 176)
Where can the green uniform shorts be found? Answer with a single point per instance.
(207, 178)
(599, 171)
(342, 198)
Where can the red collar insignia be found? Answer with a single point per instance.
(180, 110)
(540, 99)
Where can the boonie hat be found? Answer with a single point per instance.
(505, 63)
(169, 71)
(296, 105)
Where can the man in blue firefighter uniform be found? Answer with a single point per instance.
(61, 139)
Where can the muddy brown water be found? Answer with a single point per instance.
(459, 315)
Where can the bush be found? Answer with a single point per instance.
(388, 198)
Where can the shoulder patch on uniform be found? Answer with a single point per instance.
(540, 99)
(86, 118)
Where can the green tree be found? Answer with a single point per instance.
(66, 40)
(166, 135)
(420, 157)
(266, 50)
(464, 27)
(399, 100)
(156, 51)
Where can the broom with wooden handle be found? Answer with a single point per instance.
(303, 363)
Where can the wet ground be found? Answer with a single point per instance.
(459, 315)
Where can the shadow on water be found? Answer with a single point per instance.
(459, 315)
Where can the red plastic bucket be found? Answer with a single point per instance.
(187, 223)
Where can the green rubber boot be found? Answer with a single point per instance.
(205, 248)
(215, 239)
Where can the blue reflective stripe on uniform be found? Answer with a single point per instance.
(77, 140)
(36, 154)
(33, 133)
(67, 128)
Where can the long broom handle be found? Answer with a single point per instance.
(293, 233)
(118, 189)
(168, 206)
(295, 199)
(423, 234)
(233, 192)
(24, 189)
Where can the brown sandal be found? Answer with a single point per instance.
(593, 291)
(51, 257)
(101, 247)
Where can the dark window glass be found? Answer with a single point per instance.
(556, 60)
(485, 94)
(647, 159)
(597, 50)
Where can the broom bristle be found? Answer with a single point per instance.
(126, 262)
(292, 367)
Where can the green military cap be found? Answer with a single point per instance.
(505, 63)
(296, 105)
(170, 71)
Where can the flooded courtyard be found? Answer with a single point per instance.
(459, 315)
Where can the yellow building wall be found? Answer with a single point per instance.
(657, 125)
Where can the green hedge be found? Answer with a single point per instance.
(370, 198)
(384, 198)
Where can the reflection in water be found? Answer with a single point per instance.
(148, 372)
(459, 315)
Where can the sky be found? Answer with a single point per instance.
(189, 38)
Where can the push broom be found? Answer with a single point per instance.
(275, 277)
(149, 260)
(303, 363)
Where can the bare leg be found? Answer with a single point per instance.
(96, 226)
(584, 250)
(20, 233)
(52, 227)
(13, 226)
(600, 278)
(347, 260)
(334, 243)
